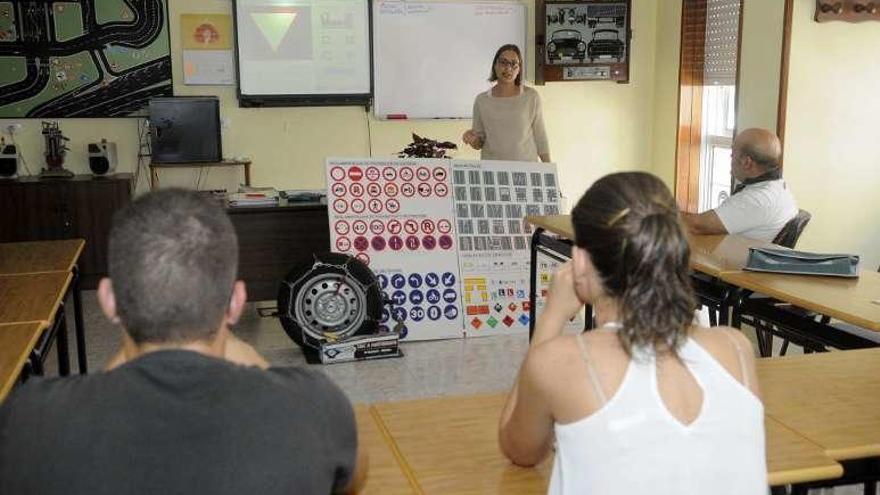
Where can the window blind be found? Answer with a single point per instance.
(721, 42)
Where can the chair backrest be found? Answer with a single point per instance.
(792, 230)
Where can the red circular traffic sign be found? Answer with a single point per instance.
(341, 227)
(359, 227)
(337, 173)
(355, 173)
(361, 243)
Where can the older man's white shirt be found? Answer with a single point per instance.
(759, 211)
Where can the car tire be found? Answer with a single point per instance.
(335, 295)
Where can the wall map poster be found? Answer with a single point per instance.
(83, 58)
(397, 216)
(491, 200)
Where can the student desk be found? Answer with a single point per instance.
(38, 297)
(849, 300)
(386, 475)
(451, 446)
(833, 400)
(50, 256)
(17, 340)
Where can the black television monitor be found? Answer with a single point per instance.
(185, 129)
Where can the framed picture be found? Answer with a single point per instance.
(583, 40)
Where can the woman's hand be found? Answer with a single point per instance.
(562, 301)
(472, 139)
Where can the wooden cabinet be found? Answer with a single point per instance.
(273, 240)
(82, 207)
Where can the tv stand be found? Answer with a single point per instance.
(154, 176)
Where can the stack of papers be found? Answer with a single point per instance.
(265, 197)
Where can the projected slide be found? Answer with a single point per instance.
(306, 47)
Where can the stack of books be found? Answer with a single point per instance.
(266, 196)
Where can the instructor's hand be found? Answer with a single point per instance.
(472, 139)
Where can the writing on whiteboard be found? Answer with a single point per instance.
(493, 10)
(392, 8)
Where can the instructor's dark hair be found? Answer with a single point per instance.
(173, 261)
(493, 76)
(630, 226)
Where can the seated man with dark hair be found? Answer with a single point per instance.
(761, 204)
(185, 407)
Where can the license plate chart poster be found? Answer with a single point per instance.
(397, 216)
(492, 199)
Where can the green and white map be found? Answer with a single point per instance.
(82, 58)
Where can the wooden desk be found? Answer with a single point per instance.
(154, 176)
(32, 297)
(849, 300)
(40, 256)
(51, 256)
(832, 399)
(710, 254)
(451, 446)
(386, 475)
(272, 240)
(791, 458)
(17, 340)
(37, 298)
(557, 224)
(717, 254)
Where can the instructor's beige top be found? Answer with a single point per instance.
(511, 127)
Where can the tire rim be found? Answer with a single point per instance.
(330, 304)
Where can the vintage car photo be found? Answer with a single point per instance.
(606, 43)
(566, 44)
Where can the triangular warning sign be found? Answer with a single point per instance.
(274, 26)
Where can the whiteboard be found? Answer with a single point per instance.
(430, 59)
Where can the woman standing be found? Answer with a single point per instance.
(647, 402)
(508, 122)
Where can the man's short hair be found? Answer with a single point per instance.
(764, 160)
(173, 261)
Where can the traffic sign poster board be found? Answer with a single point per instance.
(492, 198)
(397, 216)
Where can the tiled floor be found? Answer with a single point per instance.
(428, 369)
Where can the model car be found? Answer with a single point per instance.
(606, 43)
(566, 43)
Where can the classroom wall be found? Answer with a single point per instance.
(759, 63)
(594, 127)
(666, 64)
(832, 157)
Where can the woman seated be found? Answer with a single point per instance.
(647, 402)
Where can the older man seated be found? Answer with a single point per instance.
(761, 203)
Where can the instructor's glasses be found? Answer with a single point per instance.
(510, 64)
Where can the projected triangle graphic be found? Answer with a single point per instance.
(274, 26)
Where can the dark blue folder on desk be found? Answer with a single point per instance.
(802, 263)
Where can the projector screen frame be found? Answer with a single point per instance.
(305, 100)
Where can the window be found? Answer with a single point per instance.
(707, 103)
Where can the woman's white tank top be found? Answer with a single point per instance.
(634, 445)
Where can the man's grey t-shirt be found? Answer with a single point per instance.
(178, 422)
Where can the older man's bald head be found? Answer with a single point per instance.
(761, 145)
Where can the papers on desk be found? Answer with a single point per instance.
(264, 197)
